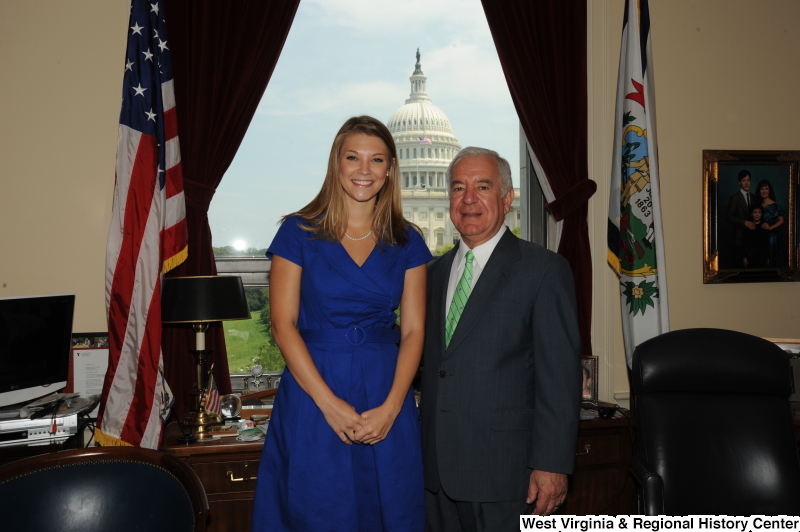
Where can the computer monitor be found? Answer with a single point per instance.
(35, 342)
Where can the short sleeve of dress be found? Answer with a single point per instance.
(418, 252)
(289, 241)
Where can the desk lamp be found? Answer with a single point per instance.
(199, 301)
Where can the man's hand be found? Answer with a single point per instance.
(548, 490)
(750, 225)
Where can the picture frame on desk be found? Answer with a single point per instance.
(735, 247)
(589, 370)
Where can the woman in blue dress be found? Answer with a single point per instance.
(343, 449)
(773, 219)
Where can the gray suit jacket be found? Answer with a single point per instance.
(504, 397)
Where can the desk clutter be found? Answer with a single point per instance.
(595, 409)
(53, 417)
(243, 431)
(246, 418)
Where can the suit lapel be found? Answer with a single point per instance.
(493, 277)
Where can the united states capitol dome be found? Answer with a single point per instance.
(424, 137)
(425, 147)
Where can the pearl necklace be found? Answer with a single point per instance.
(357, 239)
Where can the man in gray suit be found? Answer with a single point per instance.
(501, 380)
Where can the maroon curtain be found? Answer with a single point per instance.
(223, 55)
(542, 48)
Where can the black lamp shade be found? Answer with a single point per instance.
(203, 299)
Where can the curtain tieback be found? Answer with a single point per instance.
(197, 195)
(574, 198)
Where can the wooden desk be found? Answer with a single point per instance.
(602, 484)
(227, 468)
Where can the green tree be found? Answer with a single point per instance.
(266, 315)
(517, 231)
(268, 351)
(224, 251)
(229, 251)
(256, 298)
(443, 250)
(270, 355)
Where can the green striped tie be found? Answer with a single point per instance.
(459, 300)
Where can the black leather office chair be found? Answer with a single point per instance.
(102, 489)
(714, 426)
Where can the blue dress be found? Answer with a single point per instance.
(772, 212)
(308, 479)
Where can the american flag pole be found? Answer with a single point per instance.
(147, 236)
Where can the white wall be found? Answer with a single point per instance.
(727, 74)
(60, 94)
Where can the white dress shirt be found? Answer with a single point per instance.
(481, 256)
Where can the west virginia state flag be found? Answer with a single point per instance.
(635, 233)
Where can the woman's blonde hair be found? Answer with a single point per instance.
(326, 216)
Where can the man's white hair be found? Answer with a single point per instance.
(503, 168)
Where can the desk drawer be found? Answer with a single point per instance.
(227, 477)
(597, 449)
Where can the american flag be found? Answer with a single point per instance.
(147, 236)
(211, 396)
(425, 141)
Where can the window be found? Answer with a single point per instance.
(309, 94)
(439, 239)
(407, 215)
(423, 215)
(250, 341)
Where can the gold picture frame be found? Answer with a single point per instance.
(739, 244)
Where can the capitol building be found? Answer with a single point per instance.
(426, 145)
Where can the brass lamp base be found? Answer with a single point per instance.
(199, 423)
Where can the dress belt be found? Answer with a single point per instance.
(354, 336)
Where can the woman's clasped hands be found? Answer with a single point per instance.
(368, 428)
(379, 422)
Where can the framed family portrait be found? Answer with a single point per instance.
(589, 366)
(750, 216)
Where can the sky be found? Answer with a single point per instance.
(344, 58)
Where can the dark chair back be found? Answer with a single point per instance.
(714, 426)
(102, 489)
